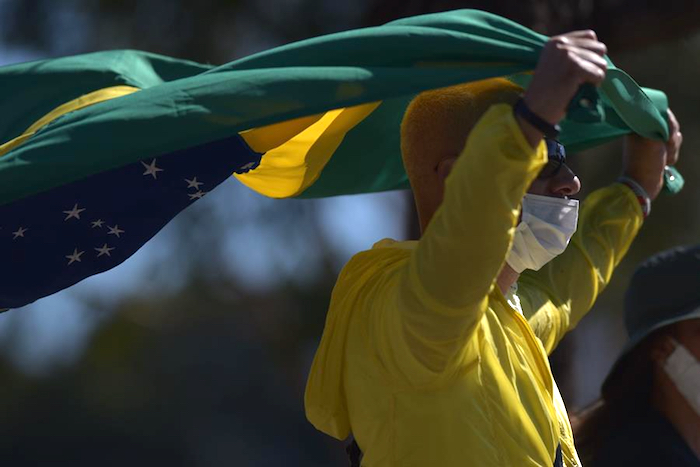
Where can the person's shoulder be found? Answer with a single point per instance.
(641, 441)
(625, 447)
(384, 256)
(387, 244)
(384, 251)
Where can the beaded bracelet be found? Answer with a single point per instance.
(639, 192)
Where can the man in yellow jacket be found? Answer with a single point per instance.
(435, 352)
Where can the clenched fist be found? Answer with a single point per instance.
(643, 159)
(566, 62)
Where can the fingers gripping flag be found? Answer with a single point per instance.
(99, 151)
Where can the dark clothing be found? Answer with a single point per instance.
(648, 440)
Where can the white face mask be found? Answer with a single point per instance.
(684, 370)
(547, 225)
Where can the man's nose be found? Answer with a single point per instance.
(564, 183)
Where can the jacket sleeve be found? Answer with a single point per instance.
(556, 297)
(441, 291)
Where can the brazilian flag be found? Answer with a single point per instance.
(99, 151)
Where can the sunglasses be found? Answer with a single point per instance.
(557, 159)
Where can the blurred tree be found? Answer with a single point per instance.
(176, 380)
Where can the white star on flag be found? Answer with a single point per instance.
(75, 212)
(19, 233)
(104, 250)
(151, 169)
(74, 257)
(193, 183)
(115, 230)
(98, 223)
(197, 195)
(249, 165)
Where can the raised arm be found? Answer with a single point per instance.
(562, 292)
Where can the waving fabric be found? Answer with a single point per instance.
(130, 138)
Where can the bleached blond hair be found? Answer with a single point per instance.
(436, 125)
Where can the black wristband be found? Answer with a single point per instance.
(547, 129)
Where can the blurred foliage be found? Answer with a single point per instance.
(206, 364)
(178, 380)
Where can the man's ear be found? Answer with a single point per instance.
(444, 168)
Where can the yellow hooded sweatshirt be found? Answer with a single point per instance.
(424, 360)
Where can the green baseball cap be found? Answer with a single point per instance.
(665, 289)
